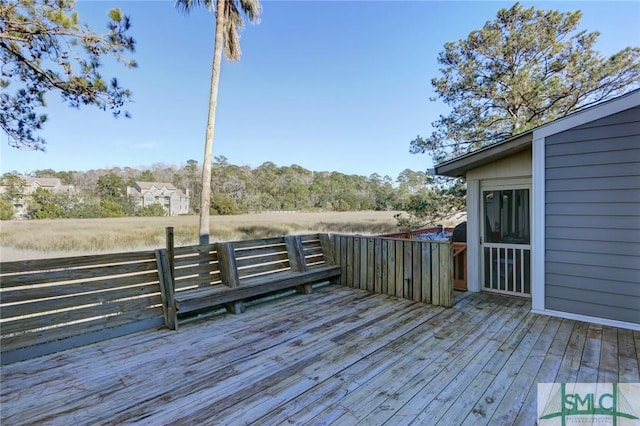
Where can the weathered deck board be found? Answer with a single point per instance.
(340, 355)
(425, 369)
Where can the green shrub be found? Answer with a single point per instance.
(111, 209)
(151, 210)
(6, 209)
(224, 205)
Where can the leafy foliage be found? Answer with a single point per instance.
(442, 201)
(45, 204)
(110, 208)
(111, 187)
(525, 68)
(13, 186)
(45, 48)
(223, 205)
(6, 209)
(151, 210)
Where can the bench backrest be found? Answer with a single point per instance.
(200, 266)
(196, 266)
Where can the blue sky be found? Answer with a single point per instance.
(327, 85)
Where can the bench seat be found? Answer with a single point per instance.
(201, 298)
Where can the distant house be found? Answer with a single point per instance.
(31, 185)
(174, 200)
(554, 214)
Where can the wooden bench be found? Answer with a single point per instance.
(236, 271)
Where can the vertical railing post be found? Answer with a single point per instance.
(171, 254)
(166, 289)
(327, 249)
(295, 253)
(297, 260)
(229, 273)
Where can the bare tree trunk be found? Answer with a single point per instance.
(205, 196)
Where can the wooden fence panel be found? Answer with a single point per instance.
(415, 270)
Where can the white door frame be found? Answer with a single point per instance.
(507, 249)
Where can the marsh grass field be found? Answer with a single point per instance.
(36, 239)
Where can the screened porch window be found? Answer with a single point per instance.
(506, 215)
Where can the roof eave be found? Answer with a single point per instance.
(458, 167)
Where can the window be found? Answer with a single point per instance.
(506, 215)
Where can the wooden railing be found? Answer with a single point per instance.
(53, 304)
(415, 270)
(410, 235)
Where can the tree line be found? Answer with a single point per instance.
(234, 190)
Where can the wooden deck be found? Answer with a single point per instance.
(338, 356)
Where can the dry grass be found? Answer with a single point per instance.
(21, 240)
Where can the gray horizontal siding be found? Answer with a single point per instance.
(612, 196)
(574, 305)
(594, 183)
(614, 137)
(607, 235)
(591, 209)
(593, 259)
(582, 220)
(592, 218)
(600, 170)
(587, 296)
(630, 248)
(599, 145)
(581, 270)
(593, 284)
(592, 158)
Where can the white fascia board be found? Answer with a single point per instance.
(614, 106)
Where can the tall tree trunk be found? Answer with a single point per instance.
(205, 196)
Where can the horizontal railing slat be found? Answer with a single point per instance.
(245, 244)
(190, 260)
(76, 261)
(244, 262)
(260, 251)
(195, 283)
(76, 274)
(184, 250)
(312, 250)
(39, 306)
(261, 269)
(17, 294)
(79, 314)
(31, 337)
(186, 271)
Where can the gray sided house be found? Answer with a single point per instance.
(173, 200)
(554, 214)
